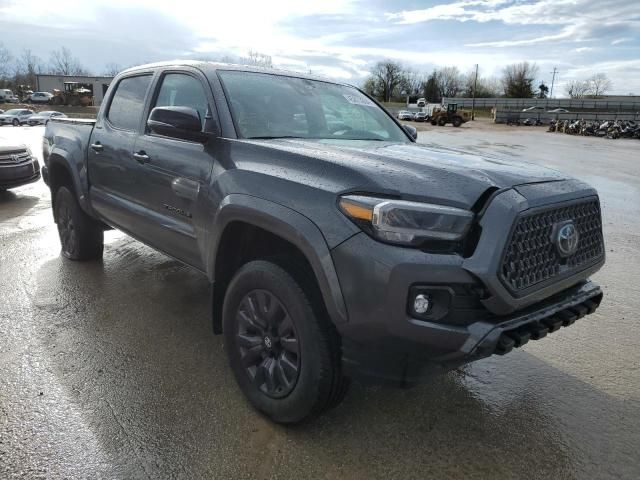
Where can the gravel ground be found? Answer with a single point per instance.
(110, 370)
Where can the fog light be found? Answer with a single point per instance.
(421, 303)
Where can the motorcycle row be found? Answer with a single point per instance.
(608, 129)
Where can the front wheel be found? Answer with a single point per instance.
(81, 237)
(284, 352)
(16, 122)
(442, 122)
(457, 121)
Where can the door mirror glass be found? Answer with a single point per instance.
(412, 131)
(177, 122)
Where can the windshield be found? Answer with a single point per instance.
(276, 106)
(14, 111)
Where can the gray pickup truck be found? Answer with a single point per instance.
(334, 244)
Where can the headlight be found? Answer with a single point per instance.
(406, 223)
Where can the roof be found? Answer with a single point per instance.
(213, 66)
(73, 76)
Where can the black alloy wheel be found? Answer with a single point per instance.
(268, 344)
(67, 231)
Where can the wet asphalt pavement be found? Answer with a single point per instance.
(110, 370)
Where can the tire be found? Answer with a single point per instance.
(442, 122)
(457, 121)
(81, 237)
(271, 324)
(15, 122)
(434, 122)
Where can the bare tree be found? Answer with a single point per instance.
(518, 78)
(258, 59)
(485, 87)
(5, 62)
(389, 75)
(64, 63)
(412, 82)
(370, 86)
(112, 69)
(450, 81)
(28, 66)
(577, 88)
(599, 84)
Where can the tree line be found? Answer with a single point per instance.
(21, 69)
(390, 80)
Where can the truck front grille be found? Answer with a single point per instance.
(531, 256)
(15, 158)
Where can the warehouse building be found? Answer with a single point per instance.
(98, 85)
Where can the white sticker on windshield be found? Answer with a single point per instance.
(359, 100)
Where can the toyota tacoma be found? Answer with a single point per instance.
(335, 245)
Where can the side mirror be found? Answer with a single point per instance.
(177, 122)
(412, 131)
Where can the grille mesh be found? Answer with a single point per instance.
(531, 256)
(21, 157)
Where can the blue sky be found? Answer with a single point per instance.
(343, 38)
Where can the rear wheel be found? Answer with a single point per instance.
(284, 353)
(434, 122)
(81, 237)
(457, 121)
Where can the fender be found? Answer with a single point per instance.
(293, 227)
(77, 171)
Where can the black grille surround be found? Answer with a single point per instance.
(531, 258)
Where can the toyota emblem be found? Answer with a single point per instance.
(567, 239)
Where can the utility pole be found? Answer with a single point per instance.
(553, 80)
(473, 101)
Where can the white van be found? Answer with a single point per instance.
(6, 95)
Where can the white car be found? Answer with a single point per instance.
(15, 116)
(558, 110)
(42, 118)
(405, 115)
(533, 109)
(40, 97)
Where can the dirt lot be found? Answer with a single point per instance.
(110, 370)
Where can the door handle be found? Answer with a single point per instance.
(97, 147)
(141, 157)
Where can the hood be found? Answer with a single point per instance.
(14, 148)
(411, 171)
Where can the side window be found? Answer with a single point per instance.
(180, 90)
(126, 107)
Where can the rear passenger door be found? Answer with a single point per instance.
(112, 169)
(175, 172)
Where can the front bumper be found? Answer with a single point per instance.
(382, 339)
(18, 175)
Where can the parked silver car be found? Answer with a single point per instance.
(40, 97)
(405, 115)
(15, 116)
(42, 118)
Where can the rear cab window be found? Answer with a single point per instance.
(127, 105)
